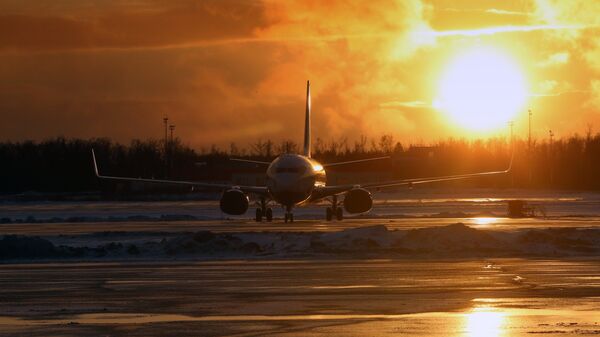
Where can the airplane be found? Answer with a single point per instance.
(298, 179)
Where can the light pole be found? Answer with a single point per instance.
(172, 128)
(511, 124)
(529, 137)
(551, 134)
(529, 149)
(166, 122)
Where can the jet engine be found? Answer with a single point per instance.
(234, 202)
(358, 200)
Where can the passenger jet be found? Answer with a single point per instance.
(294, 180)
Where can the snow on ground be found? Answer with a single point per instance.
(418, 202)
(451, 241)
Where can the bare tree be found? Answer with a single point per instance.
(287, 146)
(360, 146)
(398, 148)
(258, 148)
(319, 146)
(268, 148)
(385, 143)
(233, 149)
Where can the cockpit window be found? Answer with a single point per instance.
(296, 170)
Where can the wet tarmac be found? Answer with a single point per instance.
(302, 296)
(388, 205)
(484, 222)
(503, 297)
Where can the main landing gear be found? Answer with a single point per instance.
(334, 210)
(264, 211)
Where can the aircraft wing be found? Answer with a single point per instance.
(257, 162)
(355, 161)
(337, 189)
(261, 190)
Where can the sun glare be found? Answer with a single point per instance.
(481, 90)
(484, 322)
(484, 221)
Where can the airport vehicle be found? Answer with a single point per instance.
(297, 179)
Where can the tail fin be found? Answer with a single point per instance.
(307, 122)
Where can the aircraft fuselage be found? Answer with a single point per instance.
(292, 178)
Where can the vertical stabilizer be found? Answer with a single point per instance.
(307, 122)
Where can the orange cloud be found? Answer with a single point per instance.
(112, 25)
(234, 70)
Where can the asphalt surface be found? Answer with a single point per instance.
(474, 296)
(504, 297)
(277, 225)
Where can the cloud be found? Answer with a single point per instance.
(408, 104)
(579, 12)
(350, 75)
(506, 29)
(234, 70)
(506, 12)
(494, 11)
(149, 24)
(595, 94)
(555, 59)
(554, 88)
(115, 69)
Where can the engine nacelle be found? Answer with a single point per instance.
(358, 200)
(234, 202)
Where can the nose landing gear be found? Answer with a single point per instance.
(334, 210)
(289, 216)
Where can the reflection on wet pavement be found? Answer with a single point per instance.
(475, 322)
(303, 297)
(484, 221)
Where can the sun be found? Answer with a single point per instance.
(481, 90)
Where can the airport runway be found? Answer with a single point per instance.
(301, 294)
(503, 297)
(235, 226)
(401, 204)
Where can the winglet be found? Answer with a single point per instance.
(512, 158)
(95, 164)
(307, 122)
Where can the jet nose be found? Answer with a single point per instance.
(286, 183)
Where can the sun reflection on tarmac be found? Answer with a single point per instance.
(485, 322)
(485, 221)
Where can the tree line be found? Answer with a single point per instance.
(65, 165)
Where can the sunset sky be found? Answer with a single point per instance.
(235, 70)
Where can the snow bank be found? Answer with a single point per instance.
(452, 239)
(456, 240)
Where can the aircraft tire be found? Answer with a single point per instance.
(259, 215)
(269, 214)
(328, 214)
(339, 214)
